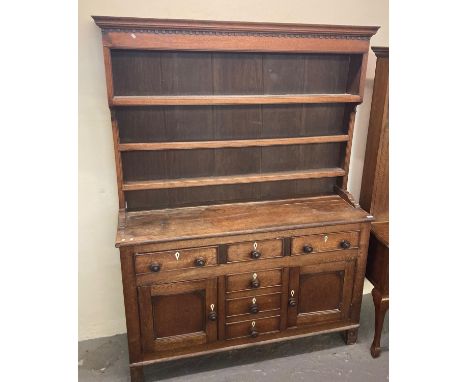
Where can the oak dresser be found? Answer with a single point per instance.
(232, 147)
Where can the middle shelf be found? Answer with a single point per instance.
(157, 146)
(232, 179)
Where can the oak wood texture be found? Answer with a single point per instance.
(170, 260)
(263, 249)
(375, 193)
(233, 100)
(232, 145)
(233, 179)
(235, 219)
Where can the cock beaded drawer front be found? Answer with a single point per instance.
(232, 146)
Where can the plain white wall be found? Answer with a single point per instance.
(101, 311)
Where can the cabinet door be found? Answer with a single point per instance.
(320, 293)
(178, 315)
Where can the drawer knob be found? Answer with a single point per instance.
(255, 254)
(253, 331)
(155, 267)
(345, 244)
(200, 262)
(254, 308)
(255, 283)
(307, 248)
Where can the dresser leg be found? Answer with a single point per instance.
(381, 307)
(136, 374)
(350, 336)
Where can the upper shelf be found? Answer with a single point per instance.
(233, 99)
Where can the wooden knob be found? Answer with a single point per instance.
(254, 308)
(212, 316)
(253, 332)
(255, 283)
(155, 267)
(200, 262)
(292, 301)
(345, 244)
(255, 254)
(307, 248)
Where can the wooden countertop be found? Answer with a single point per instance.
(234, 219)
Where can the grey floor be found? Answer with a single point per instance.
(318, 358)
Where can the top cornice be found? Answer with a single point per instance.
(380, 51)
(203, 27)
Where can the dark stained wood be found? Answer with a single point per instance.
(375, 193)
(259, 117)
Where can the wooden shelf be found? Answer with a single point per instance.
(233, 179)
(157, 146)
(232, 99)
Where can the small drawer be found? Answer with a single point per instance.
(253, 305)
(255, 250)
(177, 259)
(324, 242)
(253, 280)
(253, 328)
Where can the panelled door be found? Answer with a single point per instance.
(320, 293)
(178, 315)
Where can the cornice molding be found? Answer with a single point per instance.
(230, 28)
(380, 51)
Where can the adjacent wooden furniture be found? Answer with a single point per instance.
(374, 194)
(232, 145)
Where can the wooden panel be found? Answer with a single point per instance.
(242, 306)
(243, 281)
(178, 259)
(237, 73)
(324, 242)
(326, 73)
(236, 122)
(319, 292)
(186, 73)
(263, 326)
(178, 314)
(266, 248)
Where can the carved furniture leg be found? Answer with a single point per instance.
(350, 336)
(136, 374)
(381, 307)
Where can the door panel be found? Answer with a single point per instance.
(320, 293)
(177, 315)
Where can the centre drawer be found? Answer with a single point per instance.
(253, 280)
(253, 304)
(324, 242)
(253, 328)
(254, 250)
(177, 259)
